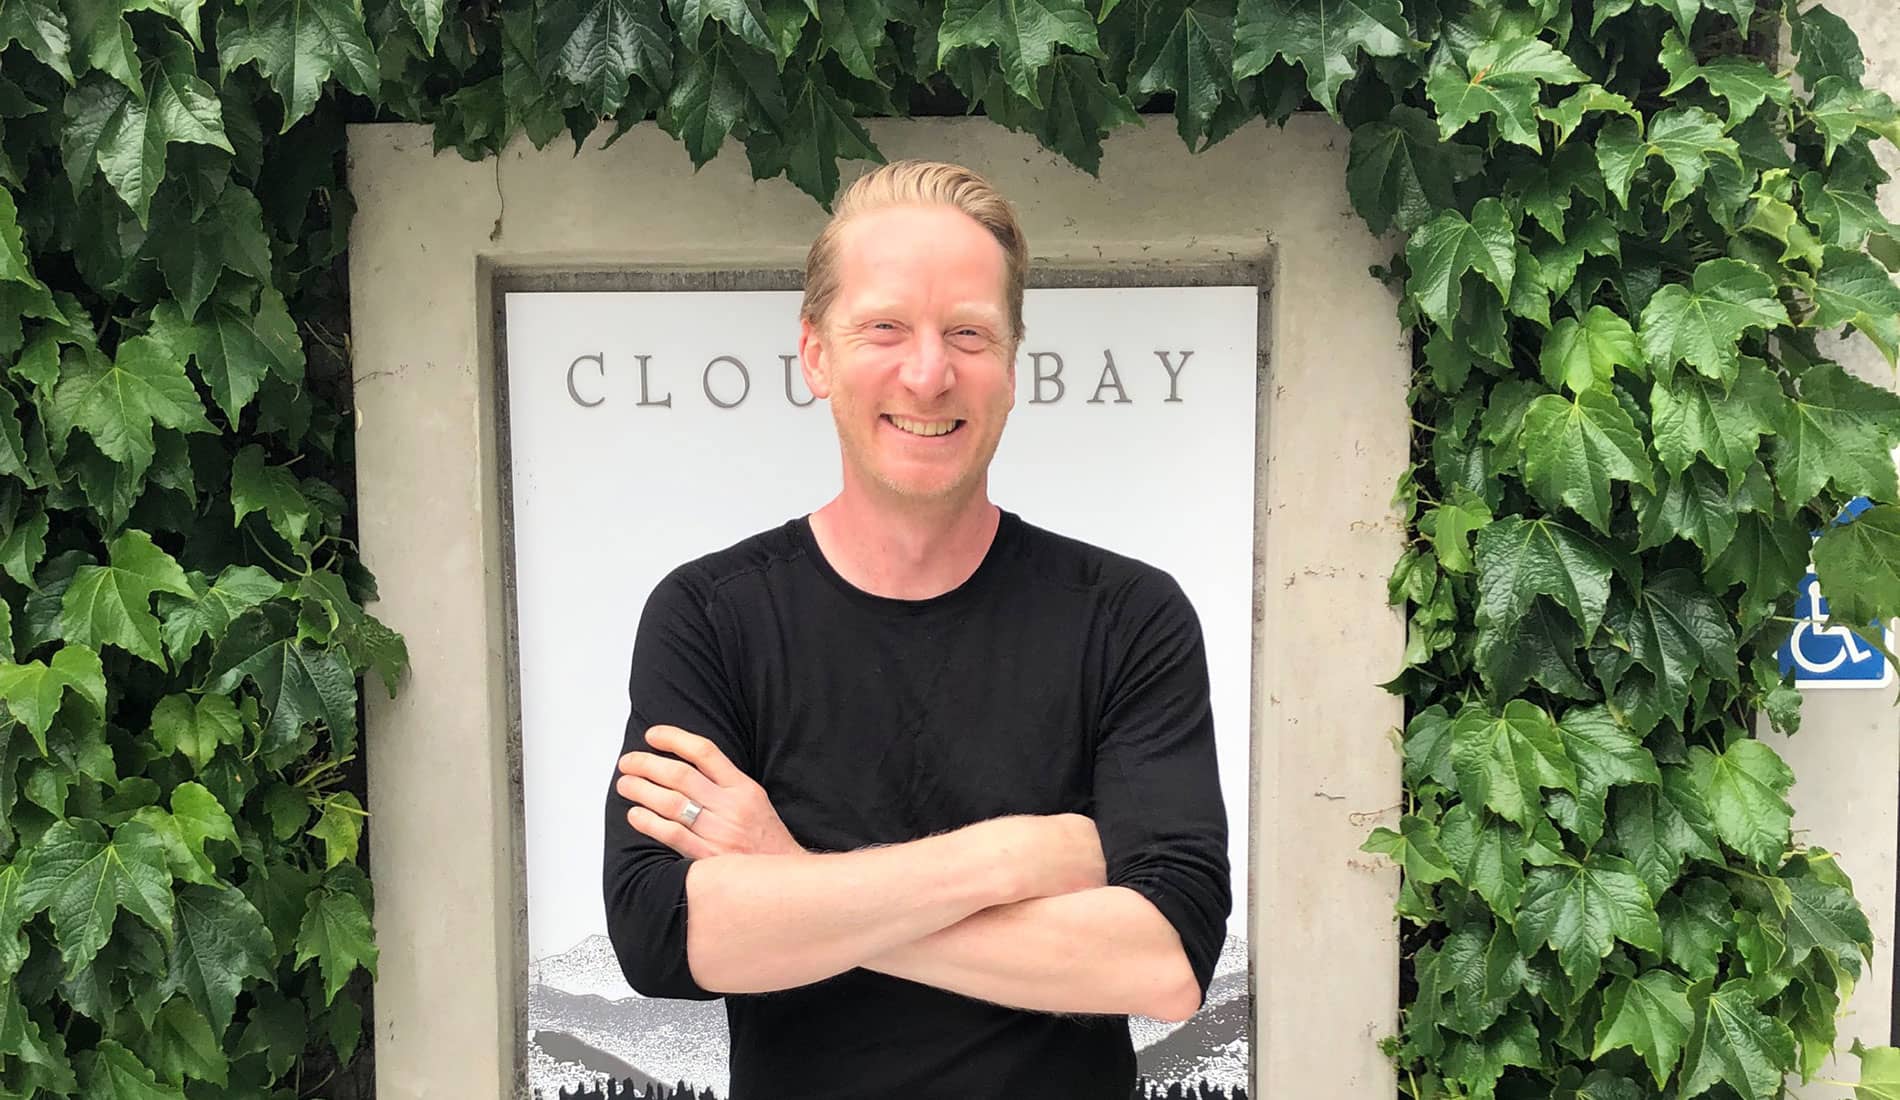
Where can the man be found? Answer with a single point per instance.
(928, 793)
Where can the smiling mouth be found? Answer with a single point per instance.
(924, 428)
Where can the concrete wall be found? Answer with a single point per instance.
(1846, 758)
(433, 232)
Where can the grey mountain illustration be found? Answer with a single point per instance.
(583, 1021)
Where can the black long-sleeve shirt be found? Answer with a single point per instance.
(1060, 678)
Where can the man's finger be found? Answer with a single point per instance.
(670, 833)
(666, 803)
(697, 750)
(672, 774)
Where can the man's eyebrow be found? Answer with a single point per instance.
(865, 309)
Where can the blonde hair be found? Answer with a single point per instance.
(919, 183)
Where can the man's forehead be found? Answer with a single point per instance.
(898, 256)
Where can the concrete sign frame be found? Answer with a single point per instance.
(435, 240)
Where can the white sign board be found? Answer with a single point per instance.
(649, 428)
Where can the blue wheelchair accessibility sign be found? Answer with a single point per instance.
(1830, 656)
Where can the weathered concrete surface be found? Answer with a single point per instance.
(1846, 758)
(430, 233)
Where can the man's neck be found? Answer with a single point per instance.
(905, 553)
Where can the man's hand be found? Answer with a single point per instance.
(735, 816)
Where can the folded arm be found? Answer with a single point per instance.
(766, 922)
(1046, 955)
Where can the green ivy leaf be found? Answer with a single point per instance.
(1323, 37)
(1486, 854)
(1698, 923)
(1589, 99)
(1504, 759)
(1400, 174)
(1659, 828)
(1446, 247)
(1477, 1063)
(40, 26)
(33, 691)
(599, 45)
(211, 610)
(118, 401)
(369, 642)
(196, 816)
(1648, 1014)
(1879, 1073)
(85, 879)
(1767, 556)
(1519, 560)
(272, 490)
(1674, 628)
(1542, 646)
(14, 946)
(335, 932)
(1481, 970)
(126, 129)
(1606, 754)
(1858, 564)
(1501, 78)
(230, 234)
(1852, 289)
(818, 130)
(1702, 324)
(111, 1072)
(855, 31)
(299, 683)
(1024, 32)
(712, 91)
(196, 729)
(1745, 788)
(1840, 110)
(1838, 431)
(1732, 1041)
(1689, 417)
(1699, 506)
(1081, 108)
(221, 941)
(238, 345)
(13, 263)
(1584, 354)
(1191, 56)
(341, 826)
(1573, 450)
(180, 1046)
(111, 604)
(1846, 214)
(1581, 910)
(1822, 916)
(300, 46)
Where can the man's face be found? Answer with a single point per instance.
(915, 354)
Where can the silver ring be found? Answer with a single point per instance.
(690, 814)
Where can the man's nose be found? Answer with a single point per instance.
(928, 372)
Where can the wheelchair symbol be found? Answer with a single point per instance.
(1848, 649)
(1823, 655)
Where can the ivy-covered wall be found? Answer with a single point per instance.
(1629, 225)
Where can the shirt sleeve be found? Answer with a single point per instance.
(1158, 802)
(678, 678)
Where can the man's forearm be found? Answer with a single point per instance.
(1107, 950)
(757, 923)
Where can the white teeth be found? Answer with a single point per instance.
(924, 427)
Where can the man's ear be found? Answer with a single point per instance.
(811, 359)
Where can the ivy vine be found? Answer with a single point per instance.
(1629, 231)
